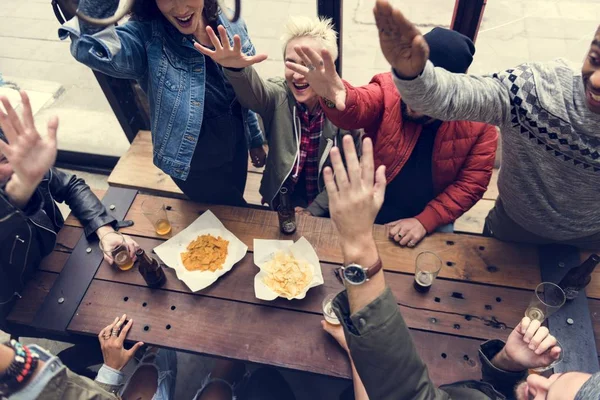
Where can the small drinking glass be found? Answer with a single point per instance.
(113, 245)
(560, 358)
(157, 215)
(546, 300)
(328, 313)
(427, 268)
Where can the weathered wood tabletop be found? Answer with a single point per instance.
(482, 292)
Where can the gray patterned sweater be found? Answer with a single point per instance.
(549, 182)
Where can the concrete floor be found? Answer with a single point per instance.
(512, 32)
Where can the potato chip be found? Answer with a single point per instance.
(205, 253)
(286, 275)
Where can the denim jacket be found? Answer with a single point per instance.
(168, 68)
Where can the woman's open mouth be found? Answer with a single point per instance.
(184, 22)
(301, 87)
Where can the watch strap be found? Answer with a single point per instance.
(375, 268)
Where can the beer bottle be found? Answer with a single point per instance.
(579, 277)
(286, 212)
(150, 270)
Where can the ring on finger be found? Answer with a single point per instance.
(399, 235)
(310, 67)
(115, 332)
(411, 243)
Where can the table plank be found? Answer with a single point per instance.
(68, 290)
(466, 257)
(594, 306)
(67, 238)
(54, 262)
(251, 333)
(33, 297)
(576, 338)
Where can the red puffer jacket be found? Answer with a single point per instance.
(463, 151)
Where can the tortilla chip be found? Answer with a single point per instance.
(205, 253)
(286, 275)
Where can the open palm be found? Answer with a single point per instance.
(224, 54)
(321, 76)
(401, 42)
(29, 155)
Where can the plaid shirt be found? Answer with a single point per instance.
(311, 129)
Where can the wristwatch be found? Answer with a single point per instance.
(355, 274)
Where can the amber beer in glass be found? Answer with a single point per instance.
(113, 245)
(547, 299)
(157, 215)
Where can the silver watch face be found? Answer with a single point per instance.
(354, 274)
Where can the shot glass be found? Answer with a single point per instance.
(427, 268)
(546, 300)
(328, 313)
(157, 215)
(113, 245)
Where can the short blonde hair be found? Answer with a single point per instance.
(320, 29)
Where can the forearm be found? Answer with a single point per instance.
(250, 90)
(364, 107)
(446, 96)
(7, 356)
(363, 252)
(360, 392)
(86, 206)
(103, 230)
(19, 194)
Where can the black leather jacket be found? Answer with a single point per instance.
(27, 235)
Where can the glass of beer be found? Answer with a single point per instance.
(546, 300)
(427, 268)
(328, 313)
(157, 215)
(560, 358)
(113, 245)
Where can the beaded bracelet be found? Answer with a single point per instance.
(21, 368)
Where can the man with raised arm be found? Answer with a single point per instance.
(446, 164)
(378, 340)
(549, 118)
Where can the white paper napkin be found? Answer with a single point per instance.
(264, 250)
(170, 251)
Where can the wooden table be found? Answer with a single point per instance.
(482, 292)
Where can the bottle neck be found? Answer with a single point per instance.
(284, 199)
(144, 258)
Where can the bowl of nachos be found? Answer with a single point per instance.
(287, 269)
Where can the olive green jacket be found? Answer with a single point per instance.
(275, 103)
(390, 368)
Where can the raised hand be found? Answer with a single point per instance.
(529, 345)
(402, 44)
(224, 54)
(28, 154)
(356, 194)
(319, 71)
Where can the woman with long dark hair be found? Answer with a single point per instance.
(199, 129)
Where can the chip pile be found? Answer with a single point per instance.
(205, 253)
(286, 275)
